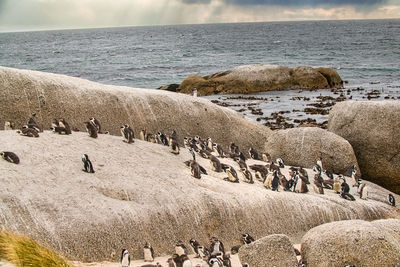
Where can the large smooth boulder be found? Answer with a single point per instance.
(23, 92)
(272, 250)
(141, 192)
(353, 242)
(372, 128)
(304, 146)
(257, 78)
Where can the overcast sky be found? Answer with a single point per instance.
(16, 15)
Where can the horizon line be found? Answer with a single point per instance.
(188, 24)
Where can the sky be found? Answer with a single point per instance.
(21, 15)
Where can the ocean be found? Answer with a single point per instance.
(365, 53)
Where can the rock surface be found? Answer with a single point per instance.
(272, 250)
(141, 192)
(372, 128)
(353, 242)
(257, 78)
(303, 147)
(50, 96)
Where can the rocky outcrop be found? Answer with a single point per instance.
(141, 192)
(353, 242)
(272, 250)
(372, 128)
(50, 96)
(304, 146)
(257, 78)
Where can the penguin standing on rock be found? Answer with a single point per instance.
(280, 163)
(232, 174)
(10, 157)
(195, 245)
(391, 200)
(91, 129)
(253, 153)
(148, 253)
(8, 125)
(125, 258)
(275, 182)
(127, 134)
(87, 164)
(345, 192)
(173, 144)
(180, 248)
(247, 239)
(96, 124)
(32, 123)
(29, 132)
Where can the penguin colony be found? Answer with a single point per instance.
(269, 174)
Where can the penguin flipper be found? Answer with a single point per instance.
(204, 171)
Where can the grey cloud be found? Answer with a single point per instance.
(293, 2)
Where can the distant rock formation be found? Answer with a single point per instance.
(272, 250)
(352, 242)
(141, 193)
(373, 129)
(258, 78)
(304, 146)
(23, 92)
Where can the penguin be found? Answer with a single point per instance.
(29, 132)
(280, 163)
(214, 262)
(304, 175)
(96, 124)
(283, 181)
(224, 258)
(163, 139)
(204, 153)
(242, 156)
(391, 200)
(242, 164)
(180, 248)
(32, 123)
(303, 184)
(268, 180)
(127, 134)
(235, 249)
(195, 245)
(363, 191)
(261, 171)
(253, 153)
(247, 239)
(245, 265)
(234, 149)
(57, 128)
(125, 258)
(318, 187)
(352, 173)
(345, 191)
(247, 176)
(329, 174)
(151, 138)
(203, 252)
(336, 184)
(142, 135)
(91, 129)
(232, 174)
(220, 151)
(273, 167)
(209, 143)
(177, 260)
(266, 157)
(297, 182)
(87, 164)
(173, 143)
(8, 125)
(275, 182)
(215, 164)
(148, 253)
(195, 169)
(65, 125)
(10, 157)
(185, 261)
(216, 246)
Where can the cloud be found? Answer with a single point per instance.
(292, 2)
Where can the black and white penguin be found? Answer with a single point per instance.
(232, 174)
(87, 164)
(91, 129)
(65, 125)
(216, 246)
(173, 143)
(329, 174)
(127, 134)
(195, 169)
(215, 164)
(142, 135)
(32, 123)
(10, 157)
(275, 182)
(29, 132)
(318, 183)
(319, 163)
(215, 262)
(261, 171)
(125, 258)
(247, 239)
(280, 163)
(195, 245)
(96, 124)
(220, 150)
(253, 153)
(180, 248)
(148, 253)
(345, 192)
(247, 176)
(391, 200)
(363, 190)
(163, 138)
(234, 148)
(268, 180)
(210, 145)
(203, 252)
(242, 164)
(185, 261)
